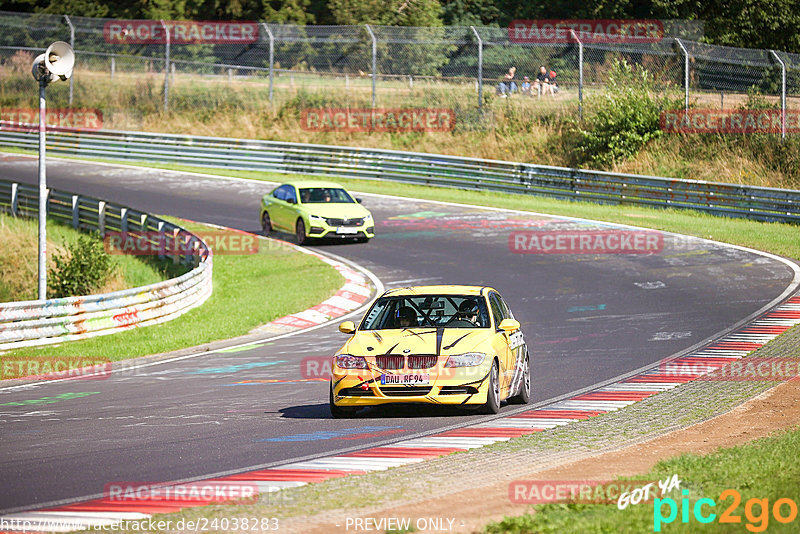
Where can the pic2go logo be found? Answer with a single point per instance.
(756, 511)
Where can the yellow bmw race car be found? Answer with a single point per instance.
(452, 345)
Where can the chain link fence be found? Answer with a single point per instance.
(460, 68)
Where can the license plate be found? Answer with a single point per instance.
(411, 379)
(346, 230)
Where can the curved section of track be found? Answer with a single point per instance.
(587, 318)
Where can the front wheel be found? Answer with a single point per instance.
(524, 395)
(339, 412)
(300, 232)
(266, 223)
(493, 395)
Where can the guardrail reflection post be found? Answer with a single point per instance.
(72, 44)
(685, 73)
(374, 61)
(783, 92)
(166, 66)
(271, 56)
(480, 68)
(580, 74)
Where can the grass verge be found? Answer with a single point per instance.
(763, 470)
(249, 290)
(19, 260)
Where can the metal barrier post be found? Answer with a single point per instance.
(580, 74)
(166, 66)
(374, 61)
(75, 211)
(480, 68)
(783, 92)
(685, 73)
(43, 193)
(72, 44)
(271, 56)
(14, 198)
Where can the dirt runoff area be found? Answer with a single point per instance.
(473, 508)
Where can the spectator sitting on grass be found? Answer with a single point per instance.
(507, 86)
(543, 82)
(525, 87)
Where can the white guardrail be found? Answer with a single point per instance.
(758, 203)
(32, 323)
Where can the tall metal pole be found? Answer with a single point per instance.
(374, 61)
(166, 66)
(480, 68)
(580, 74)
(72, 44)
(685, 73)
(783, 92)
(271, 56)
(42, 190)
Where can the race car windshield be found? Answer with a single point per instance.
(427, 311)
(325, 195)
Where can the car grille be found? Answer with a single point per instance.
(390, 361)
(458, 390)
(415, 361)
(356, 392)
(422, 361)
(344, 222)
(406, 391)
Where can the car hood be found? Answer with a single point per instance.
(339, 211)
(441, 341)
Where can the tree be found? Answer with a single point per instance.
(387, 12)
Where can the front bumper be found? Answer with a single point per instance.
(322, 230)
(460, 386)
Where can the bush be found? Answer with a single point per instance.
(82, 270)
(623, 120)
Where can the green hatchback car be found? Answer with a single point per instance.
(315, 210)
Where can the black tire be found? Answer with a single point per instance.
(493, 395)
(337, 411)
(524, 396)
(300, 232)
(266, 223)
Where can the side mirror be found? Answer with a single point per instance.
(291, 200)
(349, 327)
(358, 200)
(509, 325)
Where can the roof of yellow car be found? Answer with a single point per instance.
(314, 183)
(438, 290)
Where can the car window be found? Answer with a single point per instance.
(497, 309)
(291, 195)
(280, 192)
(427, 311)
(506, 310)
(322, 195)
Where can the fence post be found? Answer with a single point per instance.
(580, 74)
(685, 73)
(374, 61)
(783, 92)
(480, 68)
(166, 66)
(14, 198)
(113, 65)
(72, 44)
(271, 56)
(76, 211)
(101, 218)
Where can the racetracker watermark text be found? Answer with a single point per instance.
(585, 242)
(80, 119)
(180, 32)
(155, 243)
(586, 31)
(55, 368)
(378, 120)
(730, 121)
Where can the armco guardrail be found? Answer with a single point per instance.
(759, 203)
(32, 323)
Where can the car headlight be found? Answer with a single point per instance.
(368, 219)
(348, 361)
(468, 359)
(316, 218)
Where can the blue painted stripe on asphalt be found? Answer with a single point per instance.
(234, 368)
(314, 436)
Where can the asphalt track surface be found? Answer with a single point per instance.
(587, 318)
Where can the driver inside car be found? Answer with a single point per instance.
(406, 317)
